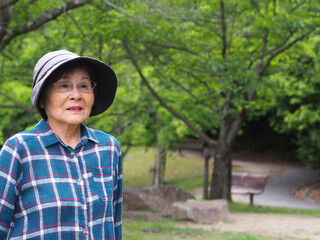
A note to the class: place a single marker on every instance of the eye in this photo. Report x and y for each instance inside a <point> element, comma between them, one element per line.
<point>84,85</point>
<point>63,85</point>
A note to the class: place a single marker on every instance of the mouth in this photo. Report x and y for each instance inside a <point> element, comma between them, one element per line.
<point>75,108</point>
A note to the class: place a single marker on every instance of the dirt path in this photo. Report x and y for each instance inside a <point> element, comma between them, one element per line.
<point>273,225</point>
<point>284,227</point>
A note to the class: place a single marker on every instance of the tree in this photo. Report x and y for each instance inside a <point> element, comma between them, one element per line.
<point>22,17</point>
<point>220,54</point>
<point>17,19</point>
<point>139,120</point>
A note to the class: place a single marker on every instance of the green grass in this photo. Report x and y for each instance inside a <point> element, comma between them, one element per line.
<point>244,208</point>
<point>140,229</point>
<point>183,171</point>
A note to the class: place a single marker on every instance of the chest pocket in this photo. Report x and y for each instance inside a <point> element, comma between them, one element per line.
<point>102,178</point>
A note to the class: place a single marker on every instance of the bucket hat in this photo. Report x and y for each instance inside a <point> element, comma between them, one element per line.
<point>105,79</point>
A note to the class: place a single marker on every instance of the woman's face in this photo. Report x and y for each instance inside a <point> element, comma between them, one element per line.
<point>68,108</point>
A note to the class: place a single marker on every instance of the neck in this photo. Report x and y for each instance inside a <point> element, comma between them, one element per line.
<point>70,134</point>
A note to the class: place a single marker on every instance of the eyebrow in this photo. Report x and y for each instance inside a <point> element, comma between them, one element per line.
<point>66,78</point>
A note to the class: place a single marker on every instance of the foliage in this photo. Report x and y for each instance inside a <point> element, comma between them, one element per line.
<point>295,94</point>
<point>214,63</point>
<point>14,120</point>
<point>207,63</point>
<point>19,48</point>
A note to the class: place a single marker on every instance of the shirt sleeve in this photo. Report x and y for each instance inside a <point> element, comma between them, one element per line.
<point>118,191</point>
<point>9,174</point>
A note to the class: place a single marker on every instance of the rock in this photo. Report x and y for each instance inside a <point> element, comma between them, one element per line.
<point>204,211</point>
<point>157,198</point>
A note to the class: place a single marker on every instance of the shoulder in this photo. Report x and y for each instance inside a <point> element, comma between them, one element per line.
<point>103,137</point>
<point>40,129</point>
<point>21,137</point>
<point>16,145</point>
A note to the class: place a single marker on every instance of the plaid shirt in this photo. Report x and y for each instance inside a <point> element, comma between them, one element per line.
<point>49,190</point>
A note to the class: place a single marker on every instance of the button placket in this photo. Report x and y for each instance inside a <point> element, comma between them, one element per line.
<point>81,188</point>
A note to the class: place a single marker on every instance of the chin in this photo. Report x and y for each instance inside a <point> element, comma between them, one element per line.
<point>76,121</point>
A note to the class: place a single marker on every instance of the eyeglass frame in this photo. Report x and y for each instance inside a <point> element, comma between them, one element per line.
<point>77,85</point>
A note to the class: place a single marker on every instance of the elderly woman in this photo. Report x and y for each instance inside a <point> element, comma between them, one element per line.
<point>61,179</point>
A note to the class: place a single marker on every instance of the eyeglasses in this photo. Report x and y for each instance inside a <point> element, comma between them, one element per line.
<point>66,86</point>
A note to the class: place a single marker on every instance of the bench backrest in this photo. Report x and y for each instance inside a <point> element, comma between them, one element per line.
<point>192,144</point>
<point>249,180</point>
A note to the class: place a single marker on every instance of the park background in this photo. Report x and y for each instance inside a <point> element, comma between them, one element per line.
<point>241,76</point>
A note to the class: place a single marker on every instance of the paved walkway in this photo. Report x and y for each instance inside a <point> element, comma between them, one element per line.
<point>281,185</point>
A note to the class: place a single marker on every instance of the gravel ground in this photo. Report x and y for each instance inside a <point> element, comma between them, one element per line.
<point>284,227</point>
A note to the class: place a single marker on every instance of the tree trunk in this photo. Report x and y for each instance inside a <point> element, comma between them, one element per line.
<point>207,154</point>
<point>206,177</point>
<point>221,175</point>
<point>160,166</point>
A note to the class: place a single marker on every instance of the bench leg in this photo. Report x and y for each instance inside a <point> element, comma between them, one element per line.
<point>251,200</point>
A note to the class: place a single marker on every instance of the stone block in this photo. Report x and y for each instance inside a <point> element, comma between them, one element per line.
<point>201,211</point>
<point>157,198</point>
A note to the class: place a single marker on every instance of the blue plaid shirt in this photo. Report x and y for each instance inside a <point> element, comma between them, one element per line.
<point>49,190</point>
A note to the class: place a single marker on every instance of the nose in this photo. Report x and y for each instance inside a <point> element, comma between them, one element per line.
<point>75,93</point>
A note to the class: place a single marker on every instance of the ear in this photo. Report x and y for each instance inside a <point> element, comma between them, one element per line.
<point>41,105</point>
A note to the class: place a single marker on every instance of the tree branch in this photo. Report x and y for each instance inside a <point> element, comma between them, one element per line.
<point>119,9</point>
<point>256,5</point>
<point>187,71</point>
<point>5,15</point>
<point>163,13</point>
<point>28,110</point>
<point>201,134</point>
<point>181,85</point>
<point>77,25</point>
<point>198,100</point>
<point>236,125</point>
<point>37,23</point>
<point>272,50</point>
<point>282,49</point>
<point>174,47</point>
<point>16,105</point>
<point>223,30</point>
<point>7,3</point>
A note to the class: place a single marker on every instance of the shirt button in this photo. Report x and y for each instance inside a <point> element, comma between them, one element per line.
<point>86,231</point>
<point>79,180</point>
<point>72,153</point>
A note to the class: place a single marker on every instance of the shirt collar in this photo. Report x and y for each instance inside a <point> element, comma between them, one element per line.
<point>87,134</point>
<point>49,137</point>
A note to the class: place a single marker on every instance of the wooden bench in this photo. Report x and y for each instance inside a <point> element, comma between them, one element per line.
<point>192,145</point>
<point>248,183</point>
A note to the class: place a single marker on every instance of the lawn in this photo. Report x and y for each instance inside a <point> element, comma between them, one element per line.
<point>185,172</point>
<point>140,229</point>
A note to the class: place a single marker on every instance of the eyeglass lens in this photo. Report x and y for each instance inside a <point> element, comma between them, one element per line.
<point>66,86</point>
